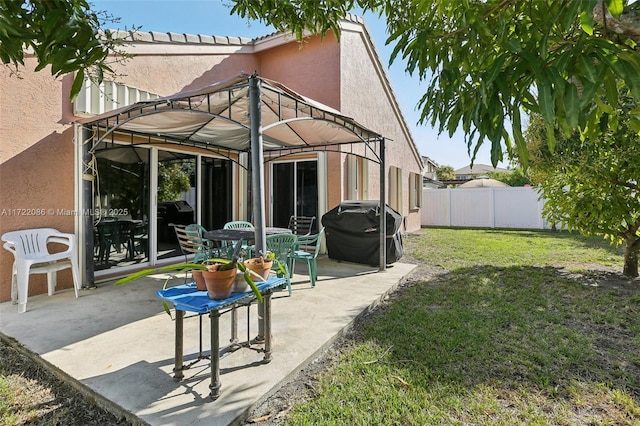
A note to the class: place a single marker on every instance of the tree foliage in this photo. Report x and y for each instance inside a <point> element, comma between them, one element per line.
<point>515,177</point>
<point>487,61</point>
<point>592,185</point>
<point>445,173</point>
<point>63,34</point>
<point>173,180</point>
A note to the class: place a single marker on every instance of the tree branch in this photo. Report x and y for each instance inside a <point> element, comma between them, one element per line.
<point>627,24</point>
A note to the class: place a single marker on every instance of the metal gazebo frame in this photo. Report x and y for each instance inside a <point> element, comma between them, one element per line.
<point>246,113</point>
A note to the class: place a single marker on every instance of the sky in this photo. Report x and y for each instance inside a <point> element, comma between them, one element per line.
<point>212,17</point>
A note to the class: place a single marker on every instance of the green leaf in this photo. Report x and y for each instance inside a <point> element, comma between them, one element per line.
<point>610,87</point>
<point>572,105</point>
<point>496,67</point>
<point>586,22</point>
<point>587,67</point>
<point>514,45</point>
<point>166,308</point>
<point>632,77</point>
<point>545,100</point>
<point>588,92</point>
<point>615,7</point>
<point>568,16</point>
<point>521,144</point>
<point>551,138</point>
<point>77,84</point>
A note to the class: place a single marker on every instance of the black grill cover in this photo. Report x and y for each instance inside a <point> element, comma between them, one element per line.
<point>352,232</point>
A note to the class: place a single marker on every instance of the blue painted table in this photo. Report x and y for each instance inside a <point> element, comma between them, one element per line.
<point>186,298</point>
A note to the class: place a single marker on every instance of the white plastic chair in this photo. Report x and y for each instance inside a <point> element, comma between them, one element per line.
<point>32,256</point>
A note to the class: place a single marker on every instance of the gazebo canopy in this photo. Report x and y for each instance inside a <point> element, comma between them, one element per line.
<point>217,118</point>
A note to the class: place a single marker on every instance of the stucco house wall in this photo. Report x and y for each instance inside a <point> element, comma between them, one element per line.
<point>36,160</point>
<point>37,151</point>
<point>311,68</point>
<point>367,94</point>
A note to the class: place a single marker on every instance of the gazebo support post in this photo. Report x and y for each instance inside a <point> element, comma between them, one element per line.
<point>383,209</point>
<point>257,180</point>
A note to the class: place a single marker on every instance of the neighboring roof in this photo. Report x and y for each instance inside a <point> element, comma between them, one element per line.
<point>427,160</point>
<point>483,183</point>
<point>479,169</point>
<point>217,117</point>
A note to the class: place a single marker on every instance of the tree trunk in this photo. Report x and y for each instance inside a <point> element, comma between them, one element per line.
<point>631,257</point>
<point>628,23</point>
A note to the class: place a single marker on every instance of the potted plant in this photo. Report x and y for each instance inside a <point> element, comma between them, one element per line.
<point>261,265</point>
<point>198,279</point>
<point>185,267</point>
<point>264,263</point>
<point>219,278</point>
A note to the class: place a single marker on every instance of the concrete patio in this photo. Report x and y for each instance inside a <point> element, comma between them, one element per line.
<point>119,343</point>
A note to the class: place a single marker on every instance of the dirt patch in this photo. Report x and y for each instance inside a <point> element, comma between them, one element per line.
<point>37,396</point>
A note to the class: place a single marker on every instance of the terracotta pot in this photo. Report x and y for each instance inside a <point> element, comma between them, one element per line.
<point>219,283</point>
<point>199,279</point>
<point>260,267</point>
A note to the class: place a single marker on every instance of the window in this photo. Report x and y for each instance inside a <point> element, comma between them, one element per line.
<point>357,181</point>
<point>395,188</point>
<point>415,191</point>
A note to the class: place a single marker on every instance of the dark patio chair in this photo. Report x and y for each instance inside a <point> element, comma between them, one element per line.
<point>191,241</point>
<point>301,225</point>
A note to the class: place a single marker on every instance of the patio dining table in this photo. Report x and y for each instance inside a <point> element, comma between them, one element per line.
<point>246,234</point>
<point>186,298</point>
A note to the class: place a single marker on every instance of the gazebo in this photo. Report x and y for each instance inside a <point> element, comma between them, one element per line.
<point>244,114</point>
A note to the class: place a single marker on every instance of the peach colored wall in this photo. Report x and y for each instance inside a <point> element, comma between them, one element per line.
<point>374,109</point>
<point>36,141</point>
<point>36,162</point>
<point>313,70</point>
<point>166,75</point>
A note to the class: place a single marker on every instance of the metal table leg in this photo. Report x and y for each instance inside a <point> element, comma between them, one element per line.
<point>260,337</point>
<point>215,355</point>
<point>234,326</point>
<point>179,345</point>
<point>267,327</point>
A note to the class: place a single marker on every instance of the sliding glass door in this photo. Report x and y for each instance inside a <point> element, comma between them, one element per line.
<point>141,193</point>
<point>216,192</point>
<point>295,191</point>
<point>121,206</point>
<point>176,198</point>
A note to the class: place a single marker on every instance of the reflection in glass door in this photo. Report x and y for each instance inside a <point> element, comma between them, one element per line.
<point>176,199</point>
<point>123,200</point>
<point>121,206</point>
<point>216,192</point>
<point>295,191</point>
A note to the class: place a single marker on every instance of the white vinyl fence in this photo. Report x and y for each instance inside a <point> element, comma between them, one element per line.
<point>517,208</point>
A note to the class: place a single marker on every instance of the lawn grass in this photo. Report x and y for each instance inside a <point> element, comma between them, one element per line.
<point>455,248</point>
<point>501,337</point>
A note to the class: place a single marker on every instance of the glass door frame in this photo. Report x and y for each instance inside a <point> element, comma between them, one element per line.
<point>152,260</point>
<point>321,173</point>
